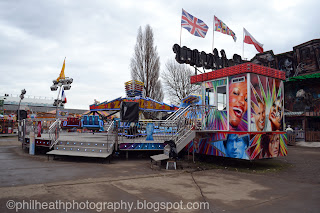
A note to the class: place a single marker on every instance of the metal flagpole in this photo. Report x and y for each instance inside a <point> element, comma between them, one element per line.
<point>243,44</point>
<point>213,34</point>
<point>180,35</point>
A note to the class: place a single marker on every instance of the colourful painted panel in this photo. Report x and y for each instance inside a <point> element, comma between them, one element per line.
<point>241,146</point>
<point>144,104</point>
<point>141,146</point>
<point>215,120</point>
<point>214,84</point>
<point>267,146</point>
<point>267,105</point>
<point>234,146</point>
<point>203,144</point>
<point>238,115</point>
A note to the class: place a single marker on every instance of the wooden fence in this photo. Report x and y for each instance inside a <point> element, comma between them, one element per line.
<point>312,136</point>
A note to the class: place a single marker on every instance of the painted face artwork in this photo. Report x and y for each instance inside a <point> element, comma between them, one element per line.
<point>260,116</point>
<point>274,145</point>
<point>235,146</point>
<point>237,102</point>
<point>275,115</point>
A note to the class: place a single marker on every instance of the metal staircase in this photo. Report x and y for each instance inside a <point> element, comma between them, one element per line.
<point>85,147</point>
<point>184,139</point>
<point>185,121</point>
<point>100,145</point>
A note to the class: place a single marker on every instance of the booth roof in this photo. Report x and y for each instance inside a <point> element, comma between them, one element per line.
<point>238,69</point>
<point>305,77</point>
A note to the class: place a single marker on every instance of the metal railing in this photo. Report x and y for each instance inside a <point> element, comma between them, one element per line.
<point>109,126</point>
<point>31,124</point>
<point>176,127</point>
<point>21,130</point>
<point>175,113</point>
<point>54,132</point>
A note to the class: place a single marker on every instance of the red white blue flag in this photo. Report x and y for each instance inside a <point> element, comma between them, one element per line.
<point>194,25</point>
<point>63,96</point>
<point>223,28</point>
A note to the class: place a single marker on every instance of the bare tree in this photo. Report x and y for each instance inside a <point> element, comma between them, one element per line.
<point>145,64</point>
<point>176,80</point>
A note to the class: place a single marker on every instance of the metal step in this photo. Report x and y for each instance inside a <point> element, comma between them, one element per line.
<point>185,141</point>
<point>84,144</point>
<point>83,149</point>
<point>160,157</point>
<point>82,154</point>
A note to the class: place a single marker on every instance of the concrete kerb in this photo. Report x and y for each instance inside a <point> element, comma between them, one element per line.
<point>308,144</point>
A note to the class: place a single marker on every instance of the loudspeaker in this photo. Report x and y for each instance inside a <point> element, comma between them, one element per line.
<point>23,114</point>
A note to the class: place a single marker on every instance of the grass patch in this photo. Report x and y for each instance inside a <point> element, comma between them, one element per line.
<point>257,166</point>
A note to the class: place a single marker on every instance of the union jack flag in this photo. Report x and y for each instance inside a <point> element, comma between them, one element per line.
<point>194,25</point>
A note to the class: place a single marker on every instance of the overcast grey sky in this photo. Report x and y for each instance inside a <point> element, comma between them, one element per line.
<point>98,37</point>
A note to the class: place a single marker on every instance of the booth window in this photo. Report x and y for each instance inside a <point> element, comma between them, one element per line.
<point>209,97</point>
<point>222,97</point>
<point>238,80</point>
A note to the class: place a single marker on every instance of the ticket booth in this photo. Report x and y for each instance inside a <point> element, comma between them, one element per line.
<point>245,119</point>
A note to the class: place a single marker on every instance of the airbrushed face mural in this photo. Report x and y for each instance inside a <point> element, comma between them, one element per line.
<point>222,144</point>
<point>267,146</point>
<point>238,103</point>
<point>240,146</point>
<point>233,146</point>
<point>266,104</point>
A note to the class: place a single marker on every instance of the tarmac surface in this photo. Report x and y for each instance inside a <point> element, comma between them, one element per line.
<point>36,184</point>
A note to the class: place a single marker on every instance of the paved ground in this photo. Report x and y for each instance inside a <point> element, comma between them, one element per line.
<point>308,144</point>
<point>287,184</point>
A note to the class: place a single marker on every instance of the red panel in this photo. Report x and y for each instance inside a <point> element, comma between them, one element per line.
<point>193,79</point>
<point>238,69</point>
<point>199,78</point>
<point>211,75</point>
<point>205,76</point>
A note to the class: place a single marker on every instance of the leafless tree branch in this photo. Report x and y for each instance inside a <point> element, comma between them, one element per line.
<point>176,79</point>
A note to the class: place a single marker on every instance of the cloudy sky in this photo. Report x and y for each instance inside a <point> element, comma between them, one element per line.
<point>98,37</point>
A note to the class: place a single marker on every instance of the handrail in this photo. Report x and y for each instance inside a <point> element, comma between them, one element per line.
<point>179,112</point>
<point>54,124</point>
<point>174,113</point>
<point>183,111</point>
<point>188,119</point>
<point>110,126</point>
<point>177,129</point>
<point>54,132</point>
<point>180,139</point>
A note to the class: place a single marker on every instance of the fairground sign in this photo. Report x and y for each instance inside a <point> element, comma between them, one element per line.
<point>185,55</point>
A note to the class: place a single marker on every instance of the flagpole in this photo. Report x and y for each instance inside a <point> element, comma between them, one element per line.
<point>243,43</point>
<point>180,35</point>
<point>213,35</point>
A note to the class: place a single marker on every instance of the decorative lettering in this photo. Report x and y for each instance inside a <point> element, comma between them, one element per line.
<point>185,55</point>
